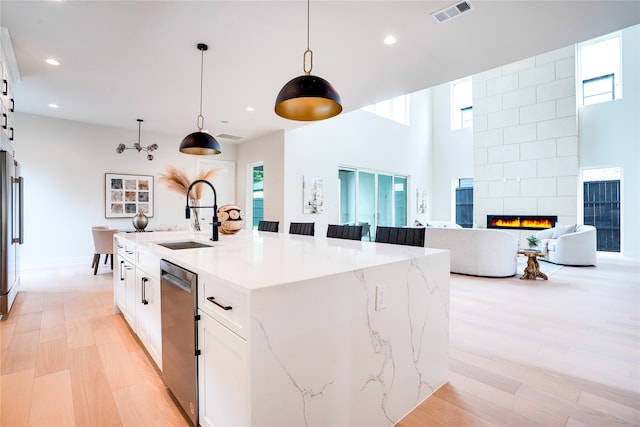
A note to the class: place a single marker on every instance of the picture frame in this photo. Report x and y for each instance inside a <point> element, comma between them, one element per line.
<point>312,195</point>
<point>421,200</point>
<point>126,195</point>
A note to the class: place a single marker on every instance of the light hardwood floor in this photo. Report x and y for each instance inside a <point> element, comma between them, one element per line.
<point>562,352</point>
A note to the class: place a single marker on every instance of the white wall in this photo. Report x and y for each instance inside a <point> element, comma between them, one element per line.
<point>453,154</point>
<point>64,163</point>
<point>356,139</point>
<point>610,136</point>
<point>268,150</point>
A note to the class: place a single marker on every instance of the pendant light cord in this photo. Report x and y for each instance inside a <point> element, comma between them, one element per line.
<point>200,123</point>
<point>308,51</point>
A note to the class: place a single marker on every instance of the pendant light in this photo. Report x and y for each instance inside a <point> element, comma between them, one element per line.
<point>308,97</point>
<point>200,143</point>
<point>137,146</point>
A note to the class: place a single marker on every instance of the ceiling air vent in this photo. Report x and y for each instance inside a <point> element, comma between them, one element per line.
<point>451,11</point>
<point>230,137</point>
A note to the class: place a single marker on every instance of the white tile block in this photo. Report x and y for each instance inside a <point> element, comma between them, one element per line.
<point>566,68</point>
<point>538,150</point>
<point>480,156</point>
<point>567,219</point>
<point>538,187</point>
<point>519,66</point>
<point>520,133</point>
<point>567,186</point>
<point>567,146</point>
<point>556,55</point>
<point>548,167</point>
<point>566,107</point>
<point>502,84</point>
<point>556,89</point>
<point>480,189</point>
<point>557,128</point>
<point>490,104</point>
<point>486,75</point>
<point>521,205</point>
<point>502,119</point>
<point>519,98</point>
<point>538,112</point>
<point>522,169</point>
<point>503,153</point>
<point>535,76</point>
<point>479,122</point>
<point>568,166</point>
<point>567,206</point>
<point>478,89</point>
<point>504,189</point>
<point>488,206</point>
<point>488,172</point>
<point>487,138</point>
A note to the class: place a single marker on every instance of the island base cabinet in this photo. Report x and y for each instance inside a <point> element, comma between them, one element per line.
<point>223,375</point>
<point>149,316</point>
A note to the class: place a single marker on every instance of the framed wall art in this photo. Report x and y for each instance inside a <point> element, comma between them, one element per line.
<point>312,196</point>
<point>126,195</point>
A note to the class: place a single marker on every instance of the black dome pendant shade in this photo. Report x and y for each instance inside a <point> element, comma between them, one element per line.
<point>308,97</point>
<point>200,143</point>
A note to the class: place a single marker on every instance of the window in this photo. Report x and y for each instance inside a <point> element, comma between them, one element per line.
<point>375,198</point>
<point>258,197</point>
<point>600,70</point>
<point>396,109</point>
<point>461,104</point>
<point>464,202</point>
<point>601,194</point>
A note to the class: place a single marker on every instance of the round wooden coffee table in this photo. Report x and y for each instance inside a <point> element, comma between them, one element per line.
<point>532,270</point>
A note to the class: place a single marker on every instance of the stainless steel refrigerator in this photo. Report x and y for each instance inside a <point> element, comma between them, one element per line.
<point>11,229</point>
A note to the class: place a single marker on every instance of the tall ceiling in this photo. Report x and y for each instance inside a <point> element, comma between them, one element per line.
<point>124,60</point>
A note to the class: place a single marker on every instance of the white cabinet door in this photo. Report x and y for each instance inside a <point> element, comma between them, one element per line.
<point>223,375</point>
<point>129,274</point>
<point>119,288</point>
<point>148,315</point>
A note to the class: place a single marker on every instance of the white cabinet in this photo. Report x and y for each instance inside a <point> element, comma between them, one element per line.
<point>148,315</point>
<point>136,288</point>
<point>223,375</point>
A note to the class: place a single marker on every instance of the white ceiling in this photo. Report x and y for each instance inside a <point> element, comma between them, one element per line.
<point>124,60</point>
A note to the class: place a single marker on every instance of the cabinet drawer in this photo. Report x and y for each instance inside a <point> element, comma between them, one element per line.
<point>149,263</point>
<point>224,303</point>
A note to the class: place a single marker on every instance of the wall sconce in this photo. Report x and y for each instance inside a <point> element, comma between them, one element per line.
<point>148,149</point>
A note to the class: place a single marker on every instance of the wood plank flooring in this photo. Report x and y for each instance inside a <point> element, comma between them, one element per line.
<point>562,352</point>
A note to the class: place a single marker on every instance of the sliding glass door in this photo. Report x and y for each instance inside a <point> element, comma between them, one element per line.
<point>372,198</point>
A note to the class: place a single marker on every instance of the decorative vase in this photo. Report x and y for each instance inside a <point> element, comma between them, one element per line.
<point>231,219</point>
<point>140,221</point>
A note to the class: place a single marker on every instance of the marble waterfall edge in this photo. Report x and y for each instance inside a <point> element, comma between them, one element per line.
<point>322,354</point>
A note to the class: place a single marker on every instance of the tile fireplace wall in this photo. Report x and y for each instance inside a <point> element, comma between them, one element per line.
<point>525,139</point>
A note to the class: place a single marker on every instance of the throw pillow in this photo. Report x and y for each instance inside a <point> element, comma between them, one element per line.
<point>561,230</point>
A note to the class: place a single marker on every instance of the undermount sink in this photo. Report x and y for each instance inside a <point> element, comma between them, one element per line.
<point>184,245</point>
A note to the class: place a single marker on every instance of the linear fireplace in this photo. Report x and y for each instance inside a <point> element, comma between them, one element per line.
<point>521,222</point>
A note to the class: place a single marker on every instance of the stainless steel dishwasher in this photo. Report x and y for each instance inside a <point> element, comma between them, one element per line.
<point>179,335</point>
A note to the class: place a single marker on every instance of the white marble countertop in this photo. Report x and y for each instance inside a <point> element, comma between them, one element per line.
<point>255,260</point>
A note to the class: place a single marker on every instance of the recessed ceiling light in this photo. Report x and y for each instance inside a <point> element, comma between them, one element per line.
<point>250,109</point>
<point>52,61</point>
<point>54,106</point>
<point>390,40</point>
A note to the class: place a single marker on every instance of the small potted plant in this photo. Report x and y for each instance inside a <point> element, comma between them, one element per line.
<point>533,241</point>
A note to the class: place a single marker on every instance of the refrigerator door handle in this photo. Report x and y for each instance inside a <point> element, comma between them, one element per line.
<point>20,238</point>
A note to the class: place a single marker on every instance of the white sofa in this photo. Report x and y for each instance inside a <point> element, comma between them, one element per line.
<point>568,247</point>
<point>476,251</point>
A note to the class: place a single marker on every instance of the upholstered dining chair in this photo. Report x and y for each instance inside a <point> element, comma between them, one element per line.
<point>103,244</point>
<point>400,235</point>
<point>269,226</point>
<point>304,228</point>
<point>350,232</point>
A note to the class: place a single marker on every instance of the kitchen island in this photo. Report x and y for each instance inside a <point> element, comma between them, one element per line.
<point>322,332</point>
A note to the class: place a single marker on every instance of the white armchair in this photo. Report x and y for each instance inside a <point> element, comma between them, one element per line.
<point>573,248</point>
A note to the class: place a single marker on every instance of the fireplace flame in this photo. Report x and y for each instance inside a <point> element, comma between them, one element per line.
<point>517,223</point>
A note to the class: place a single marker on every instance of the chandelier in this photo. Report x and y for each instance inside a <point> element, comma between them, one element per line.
<point>148,149</point>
